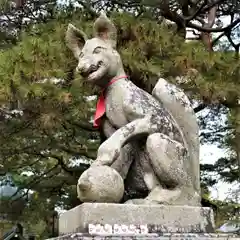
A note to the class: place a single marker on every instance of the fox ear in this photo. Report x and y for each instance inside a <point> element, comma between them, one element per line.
<point>75,39</point>
<point>106,30</point>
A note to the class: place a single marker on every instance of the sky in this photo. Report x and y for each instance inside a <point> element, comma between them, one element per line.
<point>209,154</point>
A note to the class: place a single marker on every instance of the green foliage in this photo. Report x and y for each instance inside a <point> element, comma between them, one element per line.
<point>227,211</point>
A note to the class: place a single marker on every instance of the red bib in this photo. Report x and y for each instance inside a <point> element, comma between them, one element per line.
<point>101,108</point>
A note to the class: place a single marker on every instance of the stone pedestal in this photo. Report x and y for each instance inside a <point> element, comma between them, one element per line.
<point>157,218</point>
<point>167,236</point>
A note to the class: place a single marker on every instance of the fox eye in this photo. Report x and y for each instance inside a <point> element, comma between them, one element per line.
<point>98,49</point>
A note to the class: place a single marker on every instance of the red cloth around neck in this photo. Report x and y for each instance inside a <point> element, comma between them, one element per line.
<point>101,108</point>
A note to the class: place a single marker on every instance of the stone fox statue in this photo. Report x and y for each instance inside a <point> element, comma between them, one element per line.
<point>152,140</point>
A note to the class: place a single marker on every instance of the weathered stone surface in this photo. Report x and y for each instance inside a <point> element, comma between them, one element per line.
<point>161,130</point>
<point>158,218</point>
<point>102,183</point>
<point>166,236</point>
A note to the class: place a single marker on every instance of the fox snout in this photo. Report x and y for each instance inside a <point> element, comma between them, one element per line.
<point>83,67</point>
<point>86,70</point>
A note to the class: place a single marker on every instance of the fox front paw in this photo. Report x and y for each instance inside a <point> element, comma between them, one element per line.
<point>107,155</point>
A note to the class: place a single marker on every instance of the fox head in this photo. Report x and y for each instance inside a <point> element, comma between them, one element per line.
<point>98,59</point>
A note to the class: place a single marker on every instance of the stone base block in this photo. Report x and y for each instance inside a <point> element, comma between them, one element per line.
<point>172,236</point>
<point>157,218</point>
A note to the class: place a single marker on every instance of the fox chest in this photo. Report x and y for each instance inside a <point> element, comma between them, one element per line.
<point>114,111</point>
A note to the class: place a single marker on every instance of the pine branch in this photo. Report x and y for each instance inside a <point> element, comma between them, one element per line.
<point>31,183</point>
<point>82,125</point>
<point>235,46</point>
<point>88,8</point>
<point>194,15</point>
<point>212,4</point>
<point>208,30</point>
<point>200,107</point>
<point>214,42</point>
<point>59,160</point>
<point>81,152</point>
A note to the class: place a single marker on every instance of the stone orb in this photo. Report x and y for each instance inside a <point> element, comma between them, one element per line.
<point>100,184</point>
